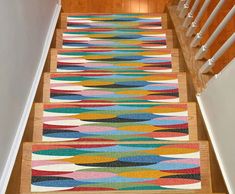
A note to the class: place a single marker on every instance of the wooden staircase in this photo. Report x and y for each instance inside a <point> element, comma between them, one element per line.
<point>115,116</point>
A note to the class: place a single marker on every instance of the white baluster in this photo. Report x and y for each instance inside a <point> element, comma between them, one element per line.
<point>189,18</point>
<point>180,5</point>
<point>194,24</point>
<point>210,63</point>
<point>184,11</point>
<point>212,38</point>
<point>200,34</point>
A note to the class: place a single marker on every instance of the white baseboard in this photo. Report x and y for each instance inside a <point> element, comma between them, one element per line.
<point>214,143</point>
<point>22,124</point>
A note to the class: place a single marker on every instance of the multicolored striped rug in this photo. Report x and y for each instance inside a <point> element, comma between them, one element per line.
<point>130,38</point>
<point>91,21</point>
<point>113,60</point>
<point>113,167</point>
<point>110,87</point>
<point>116,122</point>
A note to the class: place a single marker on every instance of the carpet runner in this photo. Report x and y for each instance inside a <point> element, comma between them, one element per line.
<point>129,38</point>
<point>116,122</point>
<point>137,21</point>
<point>115,166</point>
<point>110,87</point>
<point>113,60</point>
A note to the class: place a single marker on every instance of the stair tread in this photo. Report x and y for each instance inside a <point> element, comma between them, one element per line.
<point>149,163</point>
<point>114,39</point>
<point>139,20</point>
<point>126,121</point>
<point>114,60</point>
<point>114,87</point>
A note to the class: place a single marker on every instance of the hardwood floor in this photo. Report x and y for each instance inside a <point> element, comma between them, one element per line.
<point>115,6</point>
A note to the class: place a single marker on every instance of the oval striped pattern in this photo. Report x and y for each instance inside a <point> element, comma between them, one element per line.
<point>111,100</point>
<point>113,167</point>
<point>112,60</point>
<point>116,21</point>
<point>114,39</point>
<point>92,87</point>
<point>123,122</point>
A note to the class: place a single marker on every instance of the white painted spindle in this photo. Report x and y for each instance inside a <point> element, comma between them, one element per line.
<point>184,11</point>
<point>210,63</point>
<point>212,38</point>
<point>180,5</point>
<point>200,34</point>
<point>194,24</point>
<point>189,17</point>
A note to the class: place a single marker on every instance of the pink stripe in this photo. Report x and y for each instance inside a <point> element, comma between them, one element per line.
<point>96,64</point>
<point>93,128</point>
<point>95,92</point>
<point>184,161</point>
<point>174,118</point>
<point>88,175</point>
<point>60,84</point>
<point>46,163</point>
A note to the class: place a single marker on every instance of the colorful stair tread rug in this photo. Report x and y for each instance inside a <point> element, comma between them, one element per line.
<point>121,122</point>
<point>107,21</point>
<point>109,87</point>
<point>130,38</point>
<point>107,167</point>
<point>84,60</point>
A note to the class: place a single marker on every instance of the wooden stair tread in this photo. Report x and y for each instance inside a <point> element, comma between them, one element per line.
<point>123,93</point>
<point>169,130</point>
<point>163,16</point>
<point>157,60</point>
<point>111,153</point>
<point>96,39</point>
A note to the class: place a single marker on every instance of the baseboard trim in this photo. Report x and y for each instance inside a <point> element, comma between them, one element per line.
<point>25,115</point>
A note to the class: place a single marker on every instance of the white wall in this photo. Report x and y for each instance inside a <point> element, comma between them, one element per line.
<point>217,103</point>
<point>23,32</point>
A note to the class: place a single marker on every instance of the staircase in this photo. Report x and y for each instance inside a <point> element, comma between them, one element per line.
<point>115,115</point>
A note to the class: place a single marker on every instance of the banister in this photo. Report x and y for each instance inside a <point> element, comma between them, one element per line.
<point>184,11</point>
<point>189,17</point>
<point>212,38</point>
<point>194,24</point>
<point>180,5</point>
<point>210,63</point>
<point>200,34</point>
